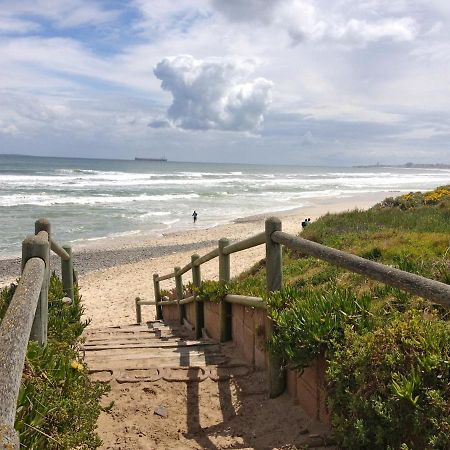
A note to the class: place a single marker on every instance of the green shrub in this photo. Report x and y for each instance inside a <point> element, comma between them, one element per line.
<point>57,406</point>
<point>213,291</point>
<point>389,387</point>
<point>309,321</point>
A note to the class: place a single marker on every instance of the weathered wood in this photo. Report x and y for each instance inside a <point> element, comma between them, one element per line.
<point>147,302</point>
<point>42,225</point>
<point>67,273</point>
<point>56,248</point>
<point>205,258</point>
<point>274,277</point>
<point>14,333</point>
<point>137,301</point>
<point>415,284</point>
<point>199,312</point>
<point>173,344</point>
<point>187,300</point>
<point>168,302</point>
<point>244,300</point>
<point>159,315</point>
<point>245,244</point>
<point>166,277</point>
<point>186,268</point>
<point>224,277</point>
<point>274,261</point>
<point>179,291</point>
<point>38,246</point>
<point>42,229</point>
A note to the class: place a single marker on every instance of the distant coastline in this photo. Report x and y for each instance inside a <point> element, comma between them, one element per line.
<point>407,166</point>
<point>162,159</point>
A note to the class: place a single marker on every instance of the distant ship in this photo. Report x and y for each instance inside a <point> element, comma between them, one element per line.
<point>162,159</point>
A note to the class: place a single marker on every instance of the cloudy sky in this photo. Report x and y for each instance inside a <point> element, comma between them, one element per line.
<point>277,81</point>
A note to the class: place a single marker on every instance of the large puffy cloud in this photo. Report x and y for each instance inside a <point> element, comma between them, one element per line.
<point>214,93</point>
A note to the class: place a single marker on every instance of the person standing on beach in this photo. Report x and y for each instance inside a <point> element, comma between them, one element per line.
<point>194,215</point>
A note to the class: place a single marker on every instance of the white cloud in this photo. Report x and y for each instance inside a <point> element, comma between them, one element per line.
<point>214,93</point>
<point>319,21</point>
<point>63,13</point>
<point>11,25</point>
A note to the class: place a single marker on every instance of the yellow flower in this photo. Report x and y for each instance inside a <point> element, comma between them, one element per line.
<point>77,366</point>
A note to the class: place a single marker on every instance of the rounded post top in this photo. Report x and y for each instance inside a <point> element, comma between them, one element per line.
<point>272,224</point>
<point>223,242</point>
<point>273,220</point>
<point>194,257</point>
<point>42,225</point>
<point>155,276</point>
<point>176,269</point>
<point>32,239</point>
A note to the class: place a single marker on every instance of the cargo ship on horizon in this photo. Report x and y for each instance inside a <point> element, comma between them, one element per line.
<point>162,159</point>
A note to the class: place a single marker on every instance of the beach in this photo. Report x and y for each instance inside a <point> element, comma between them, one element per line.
<point>113,272</point>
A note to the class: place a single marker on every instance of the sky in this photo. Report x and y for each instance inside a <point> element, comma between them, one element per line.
<point>323,82</point>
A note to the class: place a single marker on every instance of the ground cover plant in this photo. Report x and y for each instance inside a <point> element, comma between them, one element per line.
<point>57,406</point>
<point>387,350</point>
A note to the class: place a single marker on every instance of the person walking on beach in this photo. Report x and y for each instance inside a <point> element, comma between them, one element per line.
<point>194,215</point>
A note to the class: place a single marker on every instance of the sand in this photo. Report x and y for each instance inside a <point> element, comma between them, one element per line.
<point>109,293</point>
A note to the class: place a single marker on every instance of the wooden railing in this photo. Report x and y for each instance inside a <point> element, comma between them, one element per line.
<point>274,239</point>
<point>27,319</point>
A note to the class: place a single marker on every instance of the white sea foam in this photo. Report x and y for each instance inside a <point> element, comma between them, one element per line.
<point>118,197</point>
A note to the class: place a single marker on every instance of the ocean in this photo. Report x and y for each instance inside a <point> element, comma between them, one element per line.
<point>89,199</point>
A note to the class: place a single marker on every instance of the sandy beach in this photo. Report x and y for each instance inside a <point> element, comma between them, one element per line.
<point>113,272</point>
<point>109,293</point>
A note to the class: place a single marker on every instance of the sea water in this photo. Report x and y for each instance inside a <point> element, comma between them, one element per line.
<point>97,198</point>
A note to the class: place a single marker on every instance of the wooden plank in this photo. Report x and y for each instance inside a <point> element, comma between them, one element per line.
<point>156,345</point>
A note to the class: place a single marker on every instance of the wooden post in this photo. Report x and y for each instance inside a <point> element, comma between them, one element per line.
<point>179,291</point>
<point>274,278</point>
<point>44,225</point>
<point>138,310</point>
<point>67,273</point>
<point>199,313</point>
<point>38,246</point>
<point>159,314</point>
<point>224,308</point>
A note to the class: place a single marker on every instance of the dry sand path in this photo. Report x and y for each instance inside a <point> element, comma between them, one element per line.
<point>171,391</point>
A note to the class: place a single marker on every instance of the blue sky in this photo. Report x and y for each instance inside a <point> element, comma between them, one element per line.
<point>289,81</point>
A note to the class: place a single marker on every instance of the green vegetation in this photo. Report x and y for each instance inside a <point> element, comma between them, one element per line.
<point>390,386</point>
<point>387,350</point>
<point>57,406</point>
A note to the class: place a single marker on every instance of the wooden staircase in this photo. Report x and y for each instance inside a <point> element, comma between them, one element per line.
<point>154,351</point>
<point>171,391</point>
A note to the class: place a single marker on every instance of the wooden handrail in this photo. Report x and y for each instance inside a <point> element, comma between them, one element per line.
<point>205,258</point>
<point>250,242</point>
<point>187,300</point>
<point>27,319</point>
<point>185,268</point>
<point>166,277</point>
<point>410,282</point>
<point>274,239</point>
<point>56,248</point>
<point>244,300</point>
<point>14,333</point>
